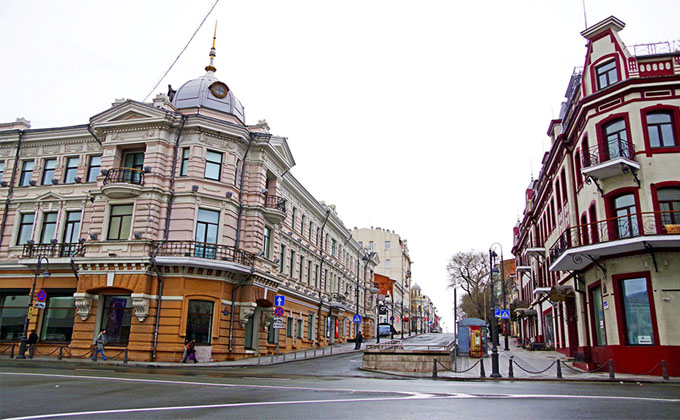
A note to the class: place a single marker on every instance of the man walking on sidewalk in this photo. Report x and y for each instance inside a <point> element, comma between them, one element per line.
<point>100,342</point>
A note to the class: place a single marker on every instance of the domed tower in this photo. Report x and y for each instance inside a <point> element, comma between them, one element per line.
<point>208,92</point>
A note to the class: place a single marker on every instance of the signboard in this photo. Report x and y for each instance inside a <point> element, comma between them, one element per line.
<point>392,318</point>
<point>279,300</point>
<point>356,319</point>
<point>497,312</point>
<point>278,323</point>
<point>505,314</point>
<point>605,304</point>
<point>39,305</point>
<point>42,295</point>
<point>278,311</point>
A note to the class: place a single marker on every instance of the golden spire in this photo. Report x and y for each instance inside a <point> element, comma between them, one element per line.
<point>210,66</point>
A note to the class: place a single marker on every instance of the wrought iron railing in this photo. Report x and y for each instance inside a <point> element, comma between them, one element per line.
<point>617,228</point>
<point>53,250</point>
<point>124,176</point>
<point>614,149</point>
<point>203,250</point>
<point>275,202</point>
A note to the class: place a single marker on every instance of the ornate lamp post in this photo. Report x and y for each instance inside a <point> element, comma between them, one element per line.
<point>45,274</point>
<point>495,371</point>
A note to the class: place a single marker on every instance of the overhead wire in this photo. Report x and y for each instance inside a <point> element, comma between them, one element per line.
<point>181,52</point>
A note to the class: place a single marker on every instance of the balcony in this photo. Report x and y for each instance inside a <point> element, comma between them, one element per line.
<point>581,245</point>
<point>184,252</point>
<point>617,159</point>
<point>274,208</point>
<point>56,250</point>
<point>123,182</point>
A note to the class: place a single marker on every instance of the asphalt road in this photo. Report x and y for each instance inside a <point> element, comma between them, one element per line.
<point>324,388</point>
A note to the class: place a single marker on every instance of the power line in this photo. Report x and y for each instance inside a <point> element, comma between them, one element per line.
<point>181,52</point>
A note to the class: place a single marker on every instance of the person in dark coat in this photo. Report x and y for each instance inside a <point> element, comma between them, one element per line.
<point>190,352</point>
<point>357,341</point>
<point>32,339</point>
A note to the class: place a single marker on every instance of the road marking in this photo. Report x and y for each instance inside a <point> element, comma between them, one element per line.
<point>264,378</point>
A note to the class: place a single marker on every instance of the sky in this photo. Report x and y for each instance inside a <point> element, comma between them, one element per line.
<point>427,118</point>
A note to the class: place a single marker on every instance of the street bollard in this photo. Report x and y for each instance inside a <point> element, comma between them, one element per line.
<point>125,358</point>
<point>481,368</point>
<point>258,359</point>
<point>11,352</point>
<point>61,353</point>
<point>272,361</point>
<point>434,368</point>
<point>294,355</point>
<point>559,369</point>
<point>314,351</point>
<point>331,350</point>
<point>323,351</point>
<point>284,357</point>
<point>611,369</point>
<point>664,370</point>
<point>511,373</point>
<point>305,353</point>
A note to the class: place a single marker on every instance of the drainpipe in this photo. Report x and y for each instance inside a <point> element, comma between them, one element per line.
<point>323,258</point>
<point>11,187</point>
<point>166,233</point>
<point>240,193</point>
<point>233,305</point>
<point>89,128</point>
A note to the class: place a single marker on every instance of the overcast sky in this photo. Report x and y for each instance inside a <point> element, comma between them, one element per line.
<point>425,118</point>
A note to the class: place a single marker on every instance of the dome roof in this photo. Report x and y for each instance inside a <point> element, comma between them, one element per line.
<point>415,287</point>
<point>208,92</point>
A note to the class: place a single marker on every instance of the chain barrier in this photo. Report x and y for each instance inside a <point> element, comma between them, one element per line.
<point>89,353</point>
<point>38,353</point>
<point>644,373</point>
<point>531,371</point>
<point>6,348</point>
<point>672,367</point>
<point>458,371</point>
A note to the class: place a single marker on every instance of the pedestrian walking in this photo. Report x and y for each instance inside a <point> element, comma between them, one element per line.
<point>32,339</point>
<point>190,353</point>
<point>100,342</point>
<point>357,341</point>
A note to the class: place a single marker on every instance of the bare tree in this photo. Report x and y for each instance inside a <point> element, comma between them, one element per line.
<point>469,270</point>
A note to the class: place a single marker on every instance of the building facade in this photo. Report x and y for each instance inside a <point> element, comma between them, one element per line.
<point>598,247</point>
<point>169,221</point>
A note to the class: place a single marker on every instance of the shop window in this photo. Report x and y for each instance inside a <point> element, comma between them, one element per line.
<point>94,168</point>
<point>637,313</point>
<point>57,324</point>
<point>48,171</point>
<point>250,325</point>
<point>599,336</point>
<point>13,311</point>
<point>117,318</point>
<point>199,321</point>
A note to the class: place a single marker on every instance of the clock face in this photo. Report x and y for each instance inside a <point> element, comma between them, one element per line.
<point>219,89</point>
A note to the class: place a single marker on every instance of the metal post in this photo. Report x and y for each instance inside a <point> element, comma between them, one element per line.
<point>11,352</point>
<point>505,322</point>
<point>61,353</point>
<point>494,329</point>
<point>664,370</point>
<point>22,344</point>
<point>259,359</point>
<point>482,374</point>
<point>125,358</point>
<point>434,368</point>
<point>559,369</point>
<point>611,369</point>
<point>511,373</point>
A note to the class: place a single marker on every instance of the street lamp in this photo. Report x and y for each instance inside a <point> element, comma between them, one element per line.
<point>388,300</point>
<point>495,372</point>
<point>45,274</point>
<point>405,285</point>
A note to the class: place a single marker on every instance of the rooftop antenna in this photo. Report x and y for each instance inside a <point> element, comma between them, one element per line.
<point>211,67</point>
<point>585,20</point>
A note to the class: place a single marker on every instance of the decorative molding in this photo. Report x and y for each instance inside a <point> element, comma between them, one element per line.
<point>83,304</point>
<point>140,301</point>
<point>246,313</point>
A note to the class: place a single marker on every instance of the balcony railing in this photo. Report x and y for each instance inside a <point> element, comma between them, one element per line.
<point>617,228</point>
<point>615,149</point>
<point>204,250</point>
<point>124,176</point>
<point>275,202</point>
<point>53,250</point>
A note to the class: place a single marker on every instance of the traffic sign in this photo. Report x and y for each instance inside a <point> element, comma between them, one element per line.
<point>278,323</point>
<point>497,312</point>
<point>39,305</point>
<point>505,314</point>
<point>278,311</point>
<point>356,319</point>
<point>392,318</point>
<point>280,300</point>
<point>42,296</point>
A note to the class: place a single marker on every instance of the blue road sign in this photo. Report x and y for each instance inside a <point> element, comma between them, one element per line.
<point>497,312</point>
<point>356,319</point>
<point>505,314</point>
<point>42,296</point>
<point>280,300</point>
<point>278,311</point>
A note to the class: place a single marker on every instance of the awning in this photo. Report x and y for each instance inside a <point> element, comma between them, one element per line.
<point>542,291</point>
<point>560,293</point>
<point>525,312</point>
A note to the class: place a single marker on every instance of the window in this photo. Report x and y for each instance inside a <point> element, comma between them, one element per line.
<point>669,201</point>
<point>94,168</point>
<point>387,245</point>
<point>272,333</point>
<point>199,321</point>
<point>606,75</point>
<point>71,170</point>
<point>626,216</point>
<point>309,272</point>
<point>298,332</point>
<point>310,329</point>
<point>134,161</point>
<point>293,218</point>
<point>26,173</point>
<point>117,318</point>
<point>617,140</point>
<point>635,299</point>
<point>49,227</point>
<point>291,266</point>
<point>25,228</point>
<point>577,168</point>
<point>289,327</point>
<point>120,222</point>
<point>660,129</point>
<point>370,245</point>
<point>267,241</point>
<point>558,194</point>
<point>563,179</point>
<point>206,233</point>
<point>333,243</point>
<point>250,325</point>
<point>316,275</point>
<point>599,335</point>
<point>184,166</point>
<point>302,271</point>
<point>13,310</point>
<point>2,168</point>
<point>309,232</point>
<point>72,228</point>
<point>48,171</point>
<point>388,264</point>
<point>57,324</point>
<point>213,165</point>
<point>282,258</point>
<point>303,222</point>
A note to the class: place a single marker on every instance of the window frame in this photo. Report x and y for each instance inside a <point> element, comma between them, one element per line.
<point>617,279</point>
<point>593,320</point>
<point>68,225</point>
<point>656,204</point>
<point>210,162</point>
<point>22,307</point>
<point>266,241</point>
<point>602,141</point>
<point>597,67</point>
<point>44,223</point>
<point>210,316</point>
<point>70,171</point>
<point>22,225</point>
<point>92,177</point>
<point>674,112</point>
<point>43,327</point>
<point>25,181</point>
<point>184,162</point>
<point>48,171</point>
<point>110,219</point>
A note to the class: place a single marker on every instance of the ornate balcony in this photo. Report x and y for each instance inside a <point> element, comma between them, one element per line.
<point>123,182</point>
<point>582,245</point>
<point>616,158</point>
<point>58,250</point>
<point>203,250</point>
<point>274,208</point>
